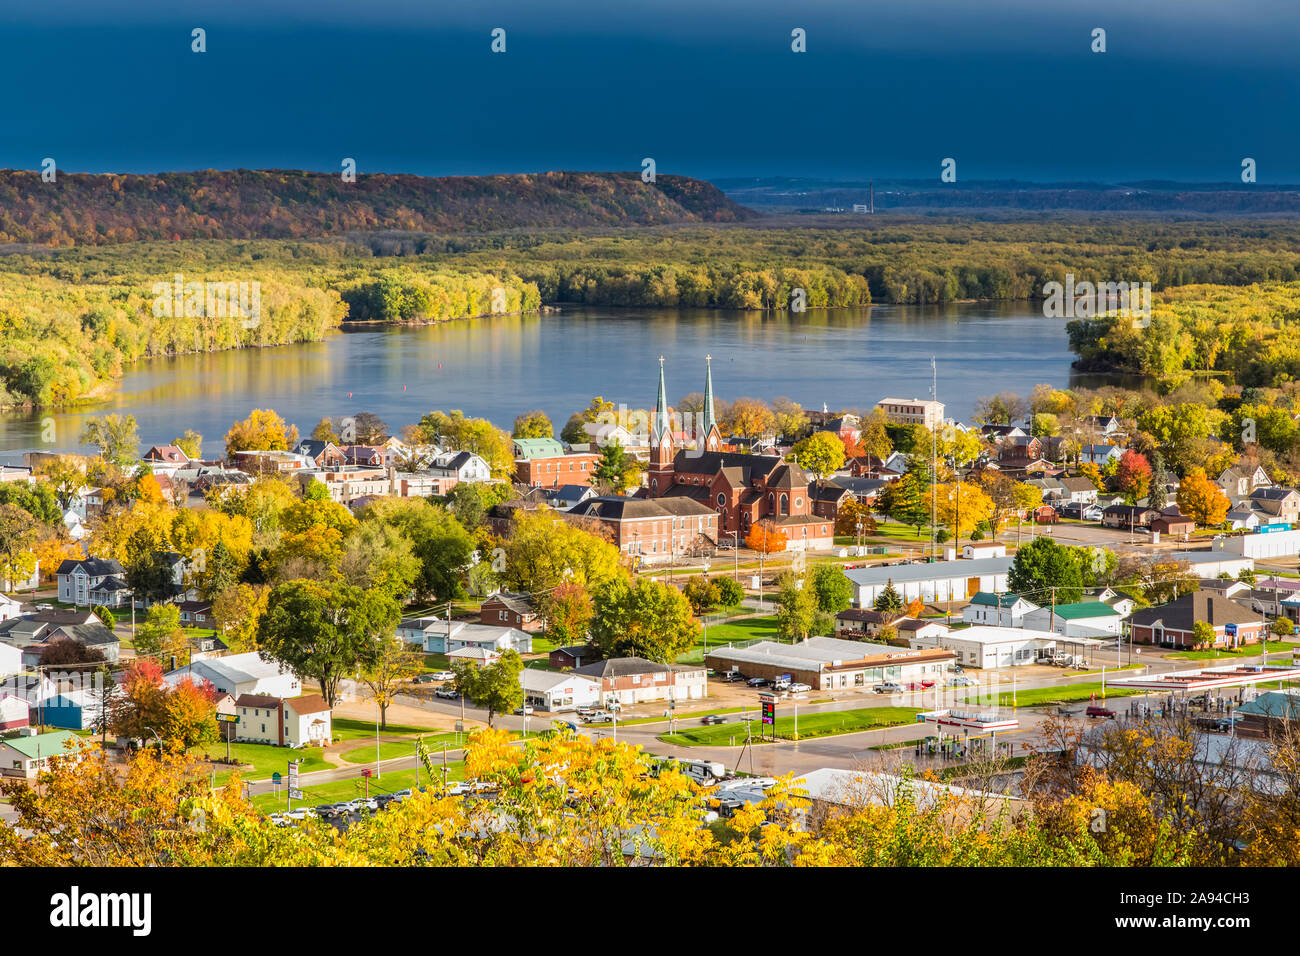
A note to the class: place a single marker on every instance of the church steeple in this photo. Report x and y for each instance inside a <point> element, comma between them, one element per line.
<point>661,442</point>
<point>660,424</point>
<point>709,427</point>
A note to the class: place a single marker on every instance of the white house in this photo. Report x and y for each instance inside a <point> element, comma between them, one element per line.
<point>999,610</point>
<point>1084,619</point>
<point>440,636</point>
<point>72,522</point>
<point>14,712</point>
<point>462,465</point>
<point>287,722</point>
<point>77,579</point>
<point>9,608</point>
<point>989,647</point>
<point>11,660</point>
<point>941,581</point>
<point>1100,454</point>
<point>241,674</point>
<point>547,690</point>
<point>28,754</point>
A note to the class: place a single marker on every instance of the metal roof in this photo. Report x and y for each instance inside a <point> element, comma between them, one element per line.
<point>939,570</point>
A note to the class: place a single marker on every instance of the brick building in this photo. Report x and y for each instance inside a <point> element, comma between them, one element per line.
<point>654,529</point>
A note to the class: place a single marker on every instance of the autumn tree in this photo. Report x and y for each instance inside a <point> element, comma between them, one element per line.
<point>765,538</point>
<point>140,707</point>
<point>394,663</point>
<point>190,714</point>
<point>262,430</point>
<point>238,609</point>
<point>1201,499</point>
<point>748,418</point>
<point>543,550</point>
<point>567,610</point>
<point>190,442</point>
<point>19,533</point>
<point>961,507</point>
<point>1133,477</point>
<point>534,424</point>
<point>822,453</point>
<point>850,514</point>
<point>646,619</point>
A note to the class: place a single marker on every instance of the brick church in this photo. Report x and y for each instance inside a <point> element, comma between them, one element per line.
<point>743,489</point>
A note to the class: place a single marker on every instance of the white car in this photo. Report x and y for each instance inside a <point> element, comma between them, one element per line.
<point>362,804</point>
<point>800,688</point>
<point>961,680</point>
<point>442,675</point>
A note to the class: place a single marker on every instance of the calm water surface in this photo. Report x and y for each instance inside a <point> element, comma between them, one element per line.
<point>497,368</point>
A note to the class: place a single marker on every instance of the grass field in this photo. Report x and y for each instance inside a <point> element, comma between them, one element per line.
<point>1253,650</point>
<point>265,759</point>
<point>349,728</point>
<point>1065,694</point>
<point>750,629</point>
<point>340,790</point>
<point>810,725</point>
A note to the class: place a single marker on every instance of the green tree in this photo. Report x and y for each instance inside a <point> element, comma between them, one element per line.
<point>647,619</point>
<point>325,633</point>
<point>191,442</point>
<point>832,587</point>
<point>160,635</point>
<point>701,594</point>
<point>1042,565</point>
<point>116,437</point>
<point>494,686</point>
<point>438,541</point>
<point>729,592</point>
<point>394,663</point>
<point>908,500</point>
<point>617,469</point>
<point>798,608</point>
<point>888,601</point>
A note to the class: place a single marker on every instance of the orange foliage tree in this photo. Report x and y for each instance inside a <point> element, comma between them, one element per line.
<point>765,538</point>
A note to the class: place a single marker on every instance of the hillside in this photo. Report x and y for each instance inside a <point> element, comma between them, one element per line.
<point>86,209</point>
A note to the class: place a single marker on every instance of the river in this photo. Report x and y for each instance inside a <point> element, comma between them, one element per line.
<point>499,367</point>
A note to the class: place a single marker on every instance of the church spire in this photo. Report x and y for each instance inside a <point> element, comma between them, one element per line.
<point>713,438</point>
<point>660,425</point>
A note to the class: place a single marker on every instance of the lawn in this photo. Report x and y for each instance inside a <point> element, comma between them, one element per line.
<point>719,635</point>
<point>365,753</point>
<point>732,734</point>
<point>682,718</point>
<point>348,728</point>
<point>340,790</point>
<point>265,759</point>
<point>1064,694</point>
<point>1253,650</point>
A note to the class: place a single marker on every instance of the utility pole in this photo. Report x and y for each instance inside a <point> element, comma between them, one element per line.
<point>1051,624</point>
<point>934,458</point>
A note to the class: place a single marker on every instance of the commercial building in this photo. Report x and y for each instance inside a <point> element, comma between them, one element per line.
<point>1174,624</point>
<point>634,680</point>
<point>241,674</point>
<point>912,411</point>
<point>988,647</point>
<point>1268,541</point>
<point>940,581</point>
<point>549,691</point>
<point>1210,564</point>
<point>826,663</point>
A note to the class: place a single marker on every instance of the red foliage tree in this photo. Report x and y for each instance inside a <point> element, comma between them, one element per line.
<point>1133,476</point>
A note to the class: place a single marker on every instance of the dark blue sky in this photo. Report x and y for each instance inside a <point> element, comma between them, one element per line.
<point>707,87</point>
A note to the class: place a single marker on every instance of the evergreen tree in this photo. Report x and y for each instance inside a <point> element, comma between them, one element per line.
<point>888,600</point>
<point>1158,496</point>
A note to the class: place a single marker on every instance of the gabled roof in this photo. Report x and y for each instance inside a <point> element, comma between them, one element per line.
<point>989,599</point>
<point>258,701</point>
<point>41,745</point>
<point>519,603</point>
<point>620,667</point>
<point>307,704</point>
<point>1084,610</point>
<point>93,567</point>
<point>1182,614</point>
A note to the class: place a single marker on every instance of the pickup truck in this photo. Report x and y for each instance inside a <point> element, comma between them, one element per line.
<point>888,687</point>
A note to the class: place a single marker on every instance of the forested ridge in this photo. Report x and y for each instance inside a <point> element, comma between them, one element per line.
<point>98,209</point>
<point>72,319</point>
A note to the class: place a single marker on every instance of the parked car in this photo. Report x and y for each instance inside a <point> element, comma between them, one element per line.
<point>780,685</point>
<point>584,711</point>
<point>526,709</point>
<point>446,693</point>
<point>757,682</point>
<point>961,680</point>
<point>713,719</point>
<point>1096,711</point>
<point>599,717</point>
<point>888,687</point>
<point>443,675</point>
<point>384,799</point>
<point>731,677</point>
<point>797,688</point>
<point>362,804</point>
<point>427,679</point>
